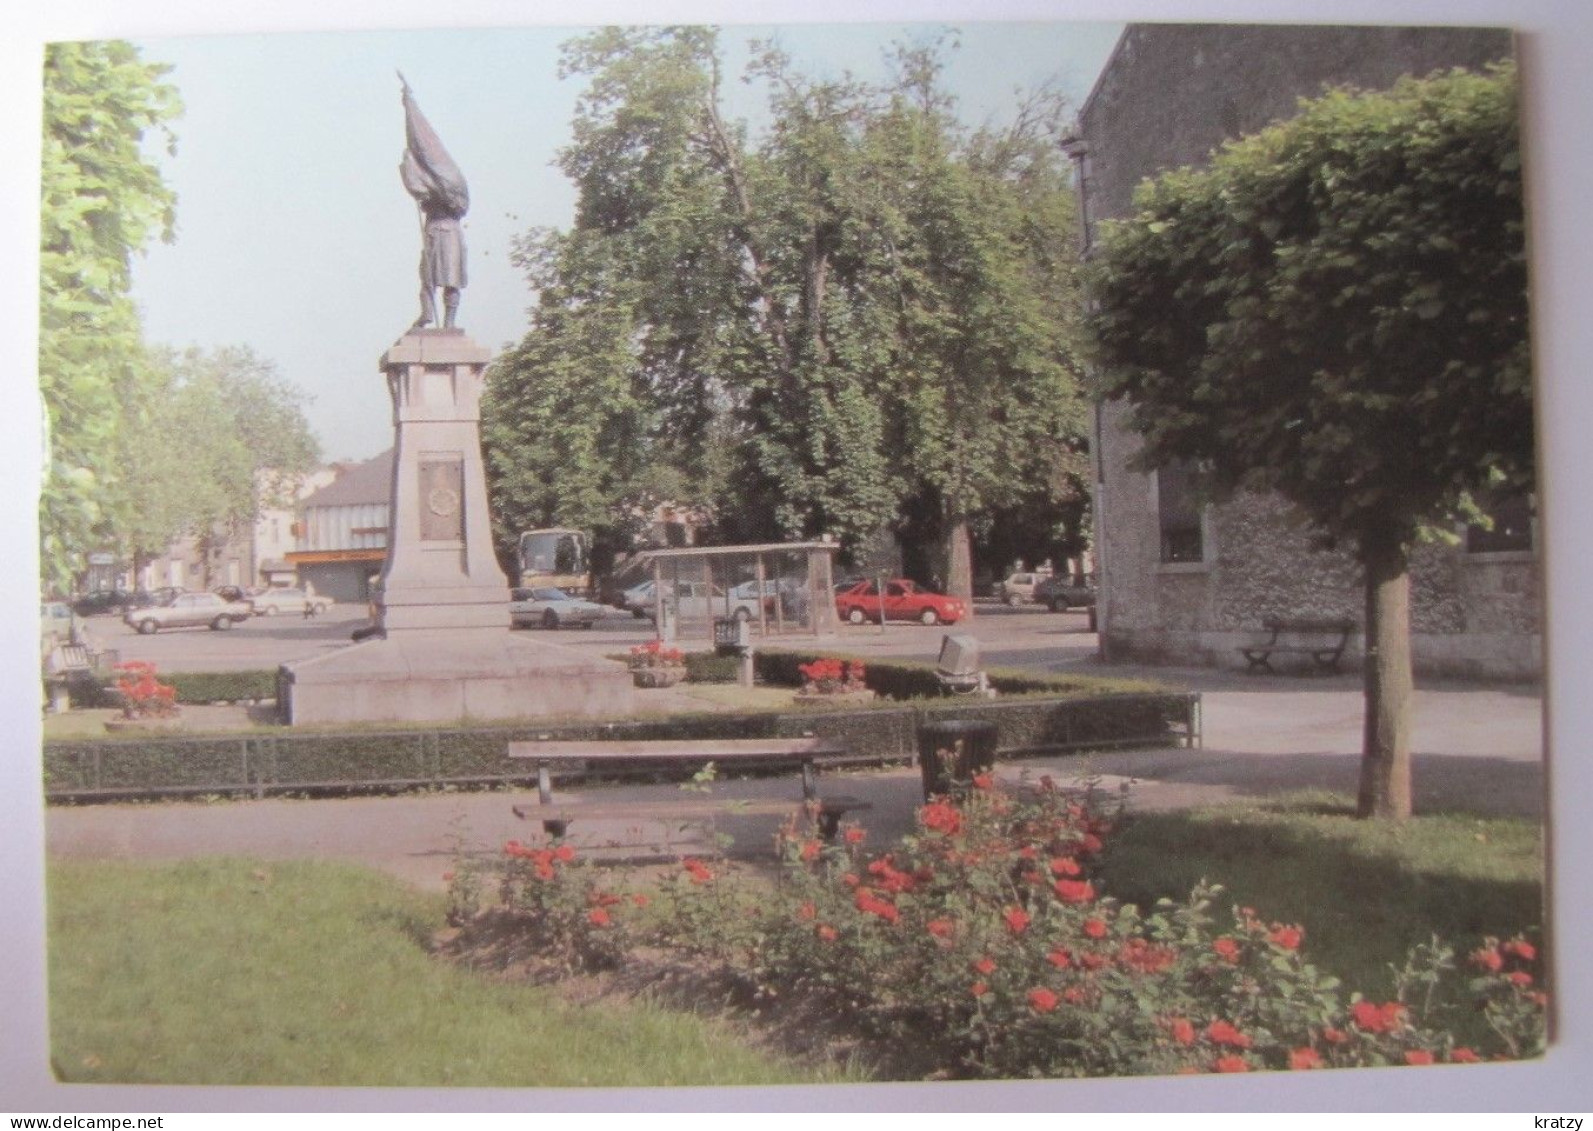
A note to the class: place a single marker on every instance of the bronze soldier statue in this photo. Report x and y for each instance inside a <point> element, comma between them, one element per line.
<point>439,189</point>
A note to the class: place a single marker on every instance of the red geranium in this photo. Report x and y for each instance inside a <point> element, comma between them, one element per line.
<point>597,917</point>
<point>1017,919</point>
<point>941,817</point>
<point>1487,958</point>
<point>854,835</point>
<point>985,965</point>
<point>1465,1056</point>
<point>1232,1064</point>
<point>940,928</point>
<point>1521,948</point>
<point>1418,1056</point>
<point>1226,949</point>
<point>1095,928</point>
<point>1378,1018</point>
<point>1060,958</point>
<point>1065,866</point>
<point>827,932</point>
<point>1183,1032</point>
<point>1286,937</point>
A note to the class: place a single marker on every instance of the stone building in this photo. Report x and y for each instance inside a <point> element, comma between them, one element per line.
<point>1187,582</point>
<point>341,533</point>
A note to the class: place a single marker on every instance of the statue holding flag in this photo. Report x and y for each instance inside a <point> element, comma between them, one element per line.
<point>439,189</point>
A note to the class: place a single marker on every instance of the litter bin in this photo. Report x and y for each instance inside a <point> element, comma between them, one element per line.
<point>950,753</point>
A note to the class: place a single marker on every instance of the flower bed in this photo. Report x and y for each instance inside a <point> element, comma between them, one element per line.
<point>984,941</point>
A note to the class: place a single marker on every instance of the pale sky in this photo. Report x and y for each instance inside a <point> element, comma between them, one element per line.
<point>295,237</point>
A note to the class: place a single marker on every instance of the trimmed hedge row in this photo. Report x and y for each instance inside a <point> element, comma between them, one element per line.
<point>297,761</point>
<point>913,679</point>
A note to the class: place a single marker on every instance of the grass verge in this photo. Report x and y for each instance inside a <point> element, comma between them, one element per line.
<point>1365,891</point>
<point>307,973</point>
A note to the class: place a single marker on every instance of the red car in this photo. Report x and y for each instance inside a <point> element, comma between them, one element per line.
<point>904,600</point>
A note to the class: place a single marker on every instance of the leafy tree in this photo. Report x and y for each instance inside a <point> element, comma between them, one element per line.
<point>1336,310</point>
<point>211,439</point>
<point>101,201</point>
<point>794,329</point>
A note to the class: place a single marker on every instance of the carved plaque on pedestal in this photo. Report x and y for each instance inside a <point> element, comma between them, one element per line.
<point>442,511</point>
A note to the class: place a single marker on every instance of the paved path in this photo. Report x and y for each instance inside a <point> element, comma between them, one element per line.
<point>1477,749</point>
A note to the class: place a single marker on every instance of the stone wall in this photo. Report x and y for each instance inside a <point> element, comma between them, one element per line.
<point>1169,96</point>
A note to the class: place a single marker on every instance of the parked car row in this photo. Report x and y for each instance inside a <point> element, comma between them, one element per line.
<point>172,606</point>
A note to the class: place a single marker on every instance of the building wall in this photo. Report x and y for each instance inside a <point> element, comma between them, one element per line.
<point>1168,97</point>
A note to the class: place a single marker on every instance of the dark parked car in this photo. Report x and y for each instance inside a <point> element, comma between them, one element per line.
<point>1060,592</point>
<point>103,602</point>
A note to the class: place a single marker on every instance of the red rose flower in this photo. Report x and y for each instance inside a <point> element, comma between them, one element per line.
<point>979,989</point>
<point>1464,1056</point>
<point>597,917</point>
<point>1488,959</point>
<point>1286,937</point>
<point>807,911</point>
<point>985,965</point>
<point>1232,1064</point>
<point>1223,1033</point>
<point>940,928</point>
<point>810,851</point>
<point>1519,978</point>
<point>1017,919</point>
<point>1074,891</point>
<point>1335,1036</point>
<point>564,854</point>
<point>1301,1059</point>
<point>1521,948</point>
<point>1378,1018</point>
<point>828,933</point>
<point>854,835</point>
<point>984,780</point>
<point>1065,866</point>
<point>1226,949</point>
<point>1418,1056</point>
<point>1095,928</point>
<point>1183,1032</point>
<point>1060,958</point>
<point>1042,1000</point>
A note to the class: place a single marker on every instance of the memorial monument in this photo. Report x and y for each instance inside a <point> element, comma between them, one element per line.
<point>446,652</point>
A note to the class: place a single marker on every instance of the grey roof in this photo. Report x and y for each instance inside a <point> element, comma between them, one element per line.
<point>362,484</point>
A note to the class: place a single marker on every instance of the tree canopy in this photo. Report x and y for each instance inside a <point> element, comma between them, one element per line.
<point>860,311</point>
<point>210,439</point>
<point>1335,309</point>
<point>101,201</point>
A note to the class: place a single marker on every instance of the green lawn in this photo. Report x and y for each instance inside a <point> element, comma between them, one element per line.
<point>1365,891</point>
<point>234,972</point>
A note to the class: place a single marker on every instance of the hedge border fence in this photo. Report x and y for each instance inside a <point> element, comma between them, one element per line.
<point>1029,721</point>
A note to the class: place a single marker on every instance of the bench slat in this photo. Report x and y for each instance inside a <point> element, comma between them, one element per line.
<point>715,750</point>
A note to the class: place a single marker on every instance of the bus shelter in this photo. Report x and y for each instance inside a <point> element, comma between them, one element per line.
<point>776,589</point>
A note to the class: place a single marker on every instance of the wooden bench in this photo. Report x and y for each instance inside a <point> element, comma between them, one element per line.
<point>1323,640</point>
<point>807,753</point>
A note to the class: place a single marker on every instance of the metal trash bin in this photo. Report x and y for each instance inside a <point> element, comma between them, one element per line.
<point>952,751</point>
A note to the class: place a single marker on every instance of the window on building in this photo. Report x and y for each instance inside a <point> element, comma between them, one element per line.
<point>1178,513</point>
<point>1512,514</point>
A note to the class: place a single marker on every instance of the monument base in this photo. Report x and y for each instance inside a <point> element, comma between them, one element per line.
<point>451,676</point>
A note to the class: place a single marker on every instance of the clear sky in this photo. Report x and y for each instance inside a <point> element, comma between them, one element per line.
<point>294,235</point>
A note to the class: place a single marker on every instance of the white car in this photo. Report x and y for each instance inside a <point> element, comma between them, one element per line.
<point>296,601</point>
<point>548,607</point>
<point>188,610</point>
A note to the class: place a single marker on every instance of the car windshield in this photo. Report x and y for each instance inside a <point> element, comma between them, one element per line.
<point>549,595</point>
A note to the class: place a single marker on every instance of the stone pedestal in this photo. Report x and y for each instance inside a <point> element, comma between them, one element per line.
<point>448,653</point>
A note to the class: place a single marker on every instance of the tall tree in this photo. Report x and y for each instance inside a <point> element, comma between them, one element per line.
<point>784,321</point>
<point>101,201</point>
<point>211,439</point>
<point>1336,310</point>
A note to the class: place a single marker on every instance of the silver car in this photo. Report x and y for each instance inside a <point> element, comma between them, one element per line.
<point>548,607</point>
<point>295,601</point>
<point>188,610</point>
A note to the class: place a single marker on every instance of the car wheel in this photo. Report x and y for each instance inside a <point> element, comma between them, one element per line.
<point>929,616</point>
<point>550,619</point>
<point>1014,600</point>
<point>221,624</point>
<point>147,628</point>
<point>1059,604</point>
<point>856,616</point>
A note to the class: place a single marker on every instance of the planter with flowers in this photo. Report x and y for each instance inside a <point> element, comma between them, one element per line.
<point>654,665</point>
<point>147,704</point>
<point>832,683</point>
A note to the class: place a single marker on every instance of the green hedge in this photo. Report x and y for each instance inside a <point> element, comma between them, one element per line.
<point>221,687</point>
<point>301,760</point>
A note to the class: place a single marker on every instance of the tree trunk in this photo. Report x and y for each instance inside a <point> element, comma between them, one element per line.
<point>959,561</point>
<point>1385,755</point>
